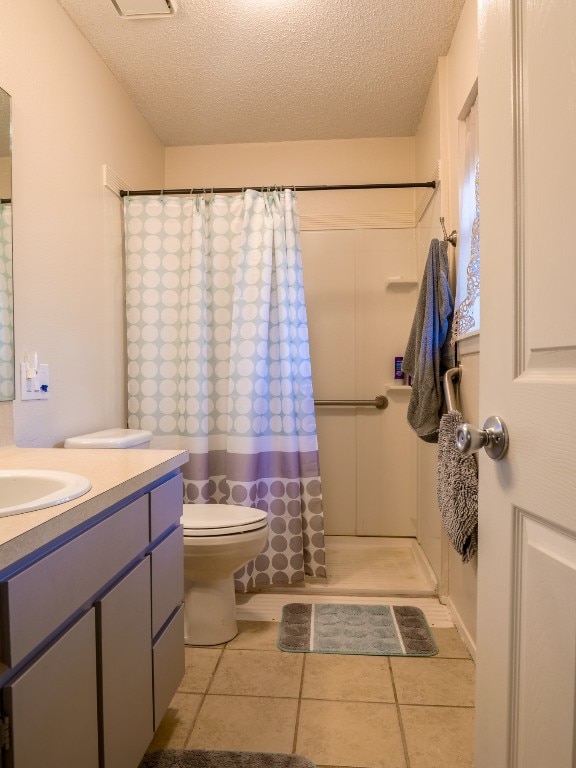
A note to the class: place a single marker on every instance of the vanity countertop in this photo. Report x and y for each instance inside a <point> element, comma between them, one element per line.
<point>114,475</point>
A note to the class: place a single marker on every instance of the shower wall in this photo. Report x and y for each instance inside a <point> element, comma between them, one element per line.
<point>358,323</point>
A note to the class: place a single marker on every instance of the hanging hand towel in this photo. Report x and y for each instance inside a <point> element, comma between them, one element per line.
<point>457,489</point>
<point>429,353</point>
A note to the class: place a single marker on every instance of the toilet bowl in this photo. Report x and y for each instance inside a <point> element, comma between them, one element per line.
<point>218,540</point>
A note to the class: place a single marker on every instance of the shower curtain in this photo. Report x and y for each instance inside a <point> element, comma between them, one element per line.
<point>218,362</point>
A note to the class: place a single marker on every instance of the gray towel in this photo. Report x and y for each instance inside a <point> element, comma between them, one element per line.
<point>457,489</point>
<point>429,352</point>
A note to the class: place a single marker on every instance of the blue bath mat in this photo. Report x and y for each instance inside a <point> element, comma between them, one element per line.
<point>377,630</point>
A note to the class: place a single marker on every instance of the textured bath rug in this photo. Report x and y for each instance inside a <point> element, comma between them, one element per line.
<point>377,630</point>
<point>206,758</point>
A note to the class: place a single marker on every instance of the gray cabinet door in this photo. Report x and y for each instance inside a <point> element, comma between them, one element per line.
<point>52,704</point>
<point>168,655</point>
<point>125,657</point>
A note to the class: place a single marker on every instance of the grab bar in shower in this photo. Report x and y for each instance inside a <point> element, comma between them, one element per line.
<point>380,402</point>
<point>451,375</point>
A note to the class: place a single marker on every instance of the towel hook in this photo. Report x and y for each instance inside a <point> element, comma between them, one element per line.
<point>451,238</point>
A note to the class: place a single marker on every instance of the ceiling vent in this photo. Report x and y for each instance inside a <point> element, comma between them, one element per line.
<point>145,9</point>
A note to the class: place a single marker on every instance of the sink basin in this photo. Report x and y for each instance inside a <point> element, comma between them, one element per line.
<point>25,490</point>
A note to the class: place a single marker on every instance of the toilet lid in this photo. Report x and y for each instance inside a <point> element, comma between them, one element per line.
<point>220,519</point>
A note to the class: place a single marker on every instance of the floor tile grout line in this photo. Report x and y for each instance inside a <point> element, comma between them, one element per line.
<point>204,695</point>
<point>438,706</point>
<point>435,657</point>
<point>298,707</point>
<point>254,696</point>
<point>399,714</point>
<point>332,701</point>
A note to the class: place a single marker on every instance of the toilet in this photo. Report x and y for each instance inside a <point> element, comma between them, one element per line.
<point>218,540</point>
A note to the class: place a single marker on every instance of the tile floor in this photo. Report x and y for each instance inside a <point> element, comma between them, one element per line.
<point>353,711</point>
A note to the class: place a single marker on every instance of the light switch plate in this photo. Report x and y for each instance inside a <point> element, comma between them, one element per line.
<point>41,380</point>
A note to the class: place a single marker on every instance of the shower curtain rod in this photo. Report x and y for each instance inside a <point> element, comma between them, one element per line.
<point>316,188</point>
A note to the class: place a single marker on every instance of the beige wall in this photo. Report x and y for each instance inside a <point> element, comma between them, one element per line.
<point>438,139</point>
<point>6,424</point>
<point>429,153</point>
<point>347,161</point>
<point>70,116</point>
<point>5,176</point>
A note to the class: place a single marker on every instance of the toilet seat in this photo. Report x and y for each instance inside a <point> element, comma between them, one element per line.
<point>221,519</point>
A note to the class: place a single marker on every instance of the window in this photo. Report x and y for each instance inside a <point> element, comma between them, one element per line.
<point>467,299</point>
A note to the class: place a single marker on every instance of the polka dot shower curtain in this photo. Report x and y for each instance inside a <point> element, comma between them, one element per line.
<point>218,362</point>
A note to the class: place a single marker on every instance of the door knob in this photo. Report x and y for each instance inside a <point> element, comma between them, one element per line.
<point>493,438</point>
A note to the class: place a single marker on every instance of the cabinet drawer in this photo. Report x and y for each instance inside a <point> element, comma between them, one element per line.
<point>38,600</point>
<point>168,659</point>
<point>166,506</point>
<point>167,578</point>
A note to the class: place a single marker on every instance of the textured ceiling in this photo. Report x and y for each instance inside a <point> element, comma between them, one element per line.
<point>230,71</point>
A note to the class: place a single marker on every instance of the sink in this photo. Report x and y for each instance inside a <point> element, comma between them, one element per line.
<point>25,490</point>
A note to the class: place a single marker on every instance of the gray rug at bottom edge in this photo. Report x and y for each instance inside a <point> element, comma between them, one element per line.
<point>200,758</point>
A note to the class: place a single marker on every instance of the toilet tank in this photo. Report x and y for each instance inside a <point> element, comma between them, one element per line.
<point>111,438</point>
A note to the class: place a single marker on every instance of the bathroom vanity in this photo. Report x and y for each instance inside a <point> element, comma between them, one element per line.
<point>91,617</point>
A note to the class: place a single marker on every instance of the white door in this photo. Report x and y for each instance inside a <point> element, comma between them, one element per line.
<point>526,710</point>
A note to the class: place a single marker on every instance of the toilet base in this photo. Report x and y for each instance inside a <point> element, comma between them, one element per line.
<point>209,612</point>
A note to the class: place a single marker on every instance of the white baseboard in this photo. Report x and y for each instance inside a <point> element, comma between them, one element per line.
<point>467,638</point>
<point>420,557</point>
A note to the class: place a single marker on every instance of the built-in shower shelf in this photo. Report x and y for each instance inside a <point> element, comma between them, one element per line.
<point>399,387</point>
<point>400,281</point>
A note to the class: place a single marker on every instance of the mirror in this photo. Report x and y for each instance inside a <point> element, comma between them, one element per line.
<point>6,285</point>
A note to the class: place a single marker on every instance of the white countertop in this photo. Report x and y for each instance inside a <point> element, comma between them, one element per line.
<point>114,475</point>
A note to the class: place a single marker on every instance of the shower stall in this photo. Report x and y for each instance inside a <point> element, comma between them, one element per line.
<point>361,289</point>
